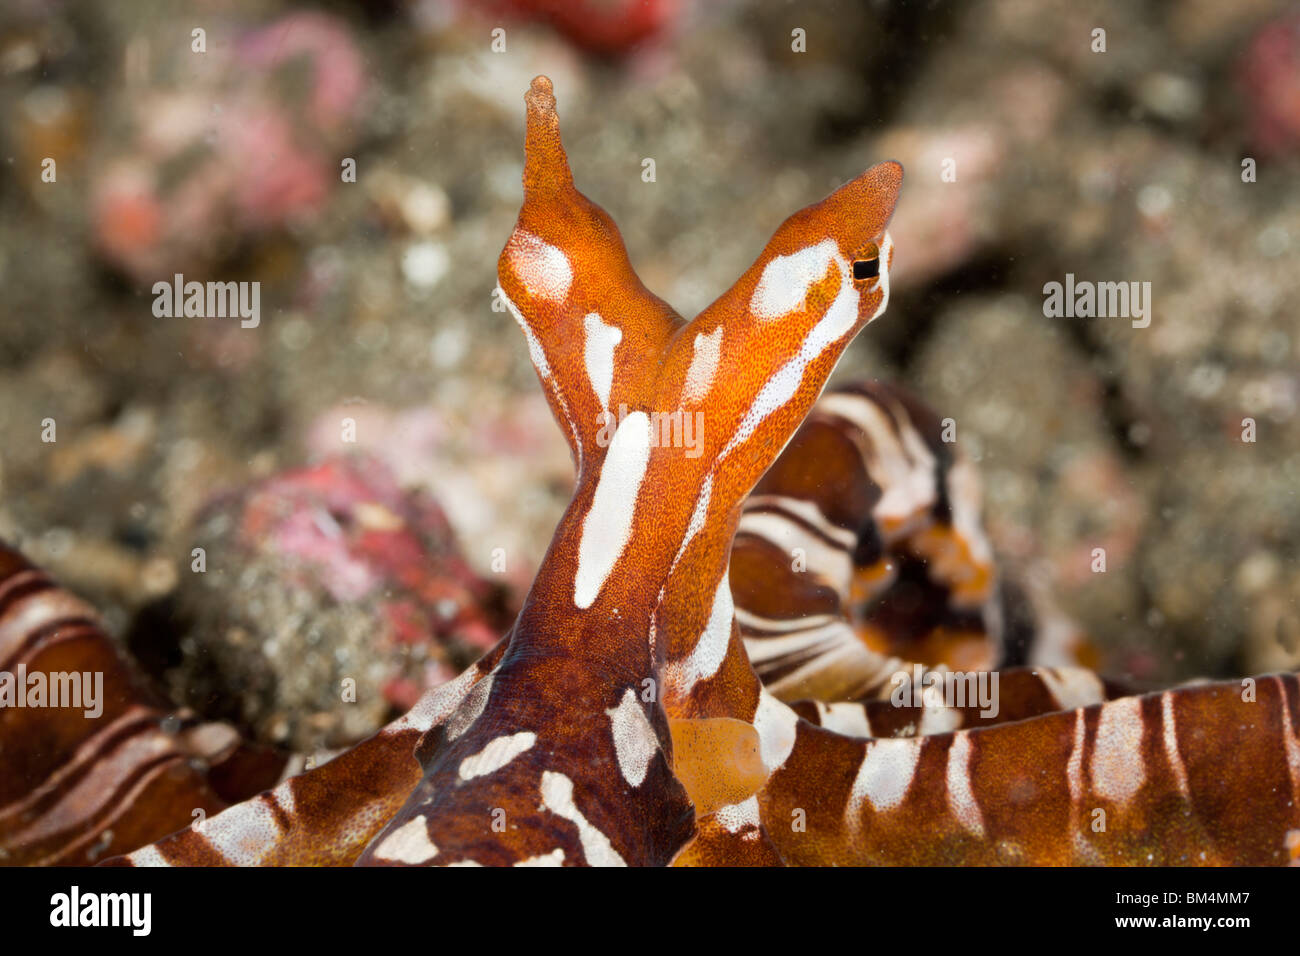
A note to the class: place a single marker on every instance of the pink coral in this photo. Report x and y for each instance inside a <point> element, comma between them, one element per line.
<point>348,528</point>
<point>241,151</point>
<point>1270,74</point>
<point>338,74</point>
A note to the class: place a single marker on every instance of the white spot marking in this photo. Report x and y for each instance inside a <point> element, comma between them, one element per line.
<point>801,642</point>
<point>557,796</point>
<point>784,383</point>
<point>698,516</point>
<point>535,351</point>
<point>1117,770</point>
<point>830,564</point>
<point>608,525</point>
<point>886,256</point>
<point>886,774</point>
<point>244,834</point>
<point>635,743</point>
<point>904,470</point>
<point>848,719</point>
<point>1170,733</point>
<point>938,719</point>
<point>777,725</point>
<point>961,798</point>
<point>598,353</point>
<point>965,497</point>
<point>437,704</point>
<point>543,367</point>
<point>409,843</point>
<point>1074,767</point>
<point>833,651</point>
<point>784,284</point>
<point>25,615</point>
<point>554,858</point>
<point>710,648</point>
<point>496,755</point>
<point>738,816</point>
<point>1071,687</point>
<point>704,366</point>
<point>809,512</point>
<point>148,856</point>
<point>543,269</point>
<point>756,623</point>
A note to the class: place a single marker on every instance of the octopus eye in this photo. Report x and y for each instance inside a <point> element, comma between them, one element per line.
<point>867,265</point>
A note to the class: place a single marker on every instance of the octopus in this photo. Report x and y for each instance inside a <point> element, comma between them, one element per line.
<point>779,639</point>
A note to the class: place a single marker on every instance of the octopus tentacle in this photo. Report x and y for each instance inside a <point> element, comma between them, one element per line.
<point>1139,780</point>
<point>327,815</point>
<point>593,330</point>
<point>919,703</point>
<point>115,767</point>
<point>862,552</point>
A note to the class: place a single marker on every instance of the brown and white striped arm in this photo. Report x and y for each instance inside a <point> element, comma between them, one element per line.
<point>94,762</point>
<point>1204,775</point>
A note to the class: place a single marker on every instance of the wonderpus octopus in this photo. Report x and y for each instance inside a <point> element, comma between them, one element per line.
<point>706,668</point>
